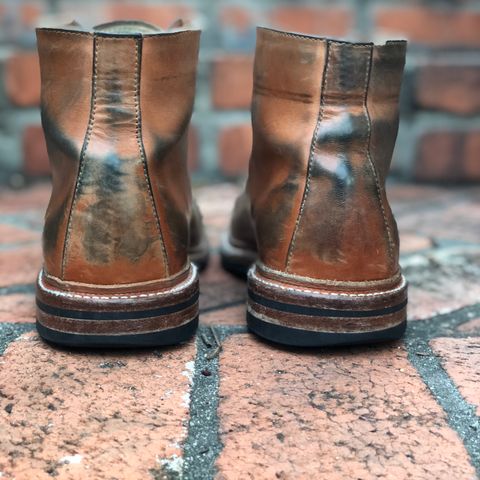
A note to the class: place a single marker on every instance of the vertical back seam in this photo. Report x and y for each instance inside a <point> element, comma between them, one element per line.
<point>369,157</point>
<point>310,158</point>
<point>141,147</point>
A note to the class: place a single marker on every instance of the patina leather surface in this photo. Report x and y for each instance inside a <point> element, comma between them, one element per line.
<point>325,119</point>
<point>242,233</point>
<point>116,110</point>
<point>66,61</point>
<point>168,90</point>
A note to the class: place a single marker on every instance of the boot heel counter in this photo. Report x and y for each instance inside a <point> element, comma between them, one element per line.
<point>345,229</point>
<point>394,235</point>
<point>54,231</point>
<point>113,233</point>
<point>121,196</point>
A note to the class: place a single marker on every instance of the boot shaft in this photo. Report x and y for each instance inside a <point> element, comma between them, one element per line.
<point>325,119</point>
<point>115,110</point>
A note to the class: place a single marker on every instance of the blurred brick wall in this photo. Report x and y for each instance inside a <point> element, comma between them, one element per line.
<point>439,138</point>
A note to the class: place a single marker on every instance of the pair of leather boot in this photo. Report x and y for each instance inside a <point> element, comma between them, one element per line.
<point>123,240</point>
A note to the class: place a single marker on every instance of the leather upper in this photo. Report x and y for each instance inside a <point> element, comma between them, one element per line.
<point>325,119</point>
<point>116,109</point>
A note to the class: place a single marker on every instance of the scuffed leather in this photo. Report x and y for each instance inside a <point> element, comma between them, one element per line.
<point>168,91</point>
<point>242,233</point>
<point>113,193</point>
<point>66,61</point>
<point>286,95</point>
<point>325,118</point>
<point>121,204</point>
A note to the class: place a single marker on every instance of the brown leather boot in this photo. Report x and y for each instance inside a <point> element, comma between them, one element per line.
<point>325,119</point>
<point>116,106</point>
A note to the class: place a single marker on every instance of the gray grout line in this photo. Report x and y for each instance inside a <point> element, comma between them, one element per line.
<point>203,445</point>
<point>461,415</point>
<point>10,331</point>
<point>15,289</point>
<point>442,325</point>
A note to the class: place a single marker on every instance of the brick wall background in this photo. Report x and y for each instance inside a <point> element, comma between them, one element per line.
<point>439,138</point>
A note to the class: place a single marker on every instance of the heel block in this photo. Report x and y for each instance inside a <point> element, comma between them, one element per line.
<point>306,316</point>
<point>128,319</point>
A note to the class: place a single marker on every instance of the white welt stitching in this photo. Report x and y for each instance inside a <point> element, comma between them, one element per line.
<point>252,275</point>
<point>324,282</point>
<point>189,281</point>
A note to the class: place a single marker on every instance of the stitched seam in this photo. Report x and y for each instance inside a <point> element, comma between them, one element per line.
<point>369,157</point>
<point>111,286</point>
<point>312,39</point>
<point>325,39</point>
<point>253,277</point>
<point>253,307</point>
<point>169,35</point>
<point>65,32</point>
<point>88,134</point>
<point>164,35</point>
<point>326,282</point>
<point>138,130</point>
<point>175,289</point>
<point>310,159</point>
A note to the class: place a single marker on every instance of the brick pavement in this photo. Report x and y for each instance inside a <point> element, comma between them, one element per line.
<point>405,410</point>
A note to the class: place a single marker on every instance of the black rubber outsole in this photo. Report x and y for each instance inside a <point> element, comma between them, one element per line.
<point>117,315</point>
<point>296,337</point>
<point>234,268</point>
<point>170,336</point>
<point>202,263</point>
<point>315,311</point>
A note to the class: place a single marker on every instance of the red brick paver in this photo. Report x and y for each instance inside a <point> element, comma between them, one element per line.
<point>35,197</point>
<point>73,415</point>
<point>412,242</point>
<point>442,282</point>
<point>18,307</point>
<point>20,266</point>
<point>10,234</point>
<point>440,213</point>
<point>216,204</point>
<point>235,315</point>
<point>472,326</point>
<point>461,359</point>
<point>360,413</point>
<point>342,414</point>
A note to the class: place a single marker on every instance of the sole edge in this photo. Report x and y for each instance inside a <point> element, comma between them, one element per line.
<point>296,337</point>
<point>170,336</point>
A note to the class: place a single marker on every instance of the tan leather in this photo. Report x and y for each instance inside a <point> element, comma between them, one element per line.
<point>116,106</point>
<point>66,62</point>
<point>168,84</point>
<point>325,119</point>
